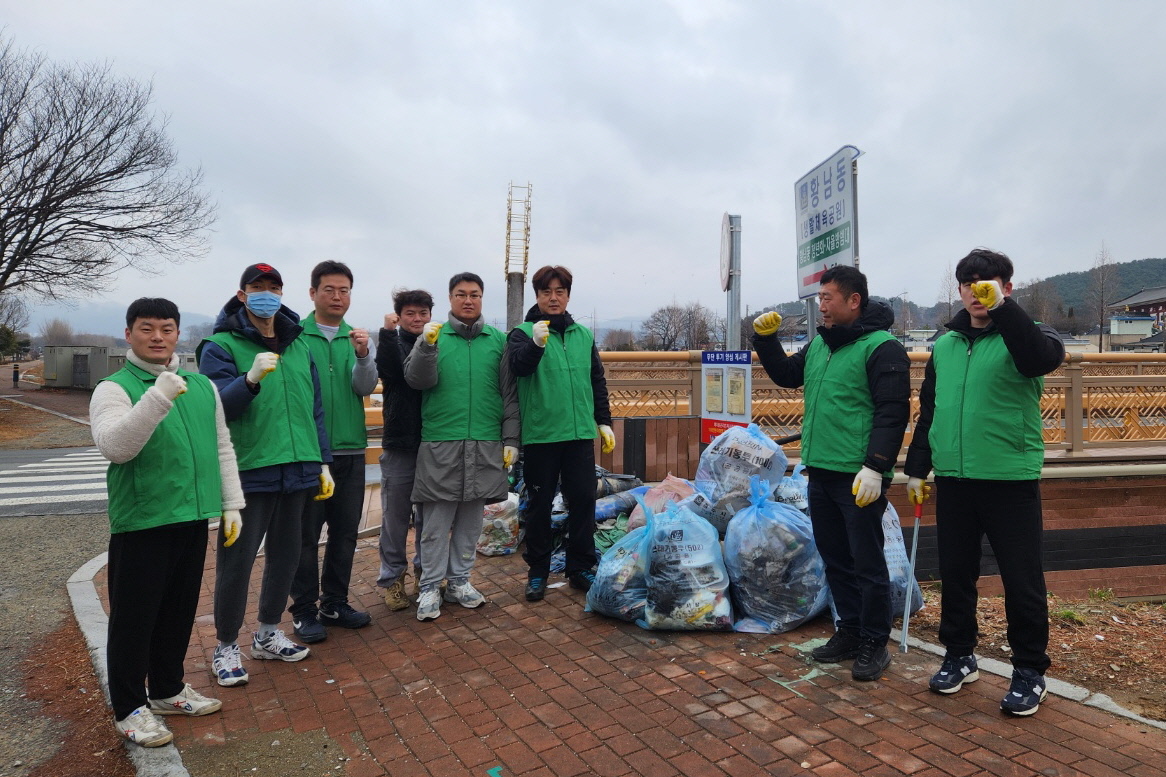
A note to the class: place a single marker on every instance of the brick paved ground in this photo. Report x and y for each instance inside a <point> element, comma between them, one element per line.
<point>550,691</point>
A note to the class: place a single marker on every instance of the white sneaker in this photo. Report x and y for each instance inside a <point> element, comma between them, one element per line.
<point>228,666</point>
<point>187,702</point>
<point>464,594</point>
<point>429,604</point>
<point>142,728</point>
<point>278,647</point>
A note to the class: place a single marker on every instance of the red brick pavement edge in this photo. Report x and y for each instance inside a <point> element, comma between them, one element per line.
<point>548,690</point>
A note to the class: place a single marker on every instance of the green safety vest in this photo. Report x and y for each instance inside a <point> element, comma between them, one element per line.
<point>556,402</point>
<point>279,426</point>
<point>343,409</point>
<point>839,411</point>
<point>175,477</point>
<point>987,422</point>
<point>466,403</point>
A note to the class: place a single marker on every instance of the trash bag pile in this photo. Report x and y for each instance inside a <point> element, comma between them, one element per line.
<point>502,531</point>
<point>687,585</point>
<point>778,579</point>
<point>722,476</point>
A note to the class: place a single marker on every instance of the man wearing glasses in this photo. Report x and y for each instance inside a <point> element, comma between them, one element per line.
<point>346,362</point>
<point>469,438</point>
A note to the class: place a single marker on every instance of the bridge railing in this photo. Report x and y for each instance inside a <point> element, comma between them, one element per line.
<point>1091,403</point>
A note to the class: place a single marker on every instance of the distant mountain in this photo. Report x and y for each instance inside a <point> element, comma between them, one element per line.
<point>93,317</point>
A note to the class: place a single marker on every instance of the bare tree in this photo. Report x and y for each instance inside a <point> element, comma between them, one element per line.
<point>949,295</point>
<point>662,330</point>
<point>89,179</point>
<point>13,312</point>
<point>619,340</point>
<point>57,331</point>
<point>1041,300</point>
<point>1103,283</point>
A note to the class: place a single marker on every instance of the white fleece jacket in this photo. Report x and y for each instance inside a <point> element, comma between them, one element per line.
<point>121,429</point>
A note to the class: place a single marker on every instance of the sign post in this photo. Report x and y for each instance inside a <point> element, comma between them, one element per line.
<point>731,278</point>
<point>727,381</point>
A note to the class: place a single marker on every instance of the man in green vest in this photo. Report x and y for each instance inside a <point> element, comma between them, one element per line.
<point>857,402</point>
<point>272,400</point>
<point>562,394</point>
<point>980,428</point>
<point>347,367</point>
<point>469,438</point>
<point>172,468</point>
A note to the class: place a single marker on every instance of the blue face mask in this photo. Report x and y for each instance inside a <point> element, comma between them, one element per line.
<point>264,304</point>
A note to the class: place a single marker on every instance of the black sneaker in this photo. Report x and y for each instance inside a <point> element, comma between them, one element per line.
<point>873,659</point>
<point>341,614</point>
<point>582,579</point>
<point>1026,692</point>
<point>956,671</point>
<point>536,589</point>
<point>307,628</point>
<point>843,645</point>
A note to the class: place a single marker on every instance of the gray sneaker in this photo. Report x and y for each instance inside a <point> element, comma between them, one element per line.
<point>142,728</point>
<point>464,594</point>
<point>429,604</point>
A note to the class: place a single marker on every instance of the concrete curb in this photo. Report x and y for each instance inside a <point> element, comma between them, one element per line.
<point>50,412</point>
<point>1055,686</point>
<point>91,617</point>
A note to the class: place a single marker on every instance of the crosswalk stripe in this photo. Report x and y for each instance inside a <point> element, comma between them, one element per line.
<point>52,478</point>
<point>36,500</point>
<point>100,487</point>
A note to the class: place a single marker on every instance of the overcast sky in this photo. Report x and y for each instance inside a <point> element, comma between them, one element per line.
<point>385,134</point>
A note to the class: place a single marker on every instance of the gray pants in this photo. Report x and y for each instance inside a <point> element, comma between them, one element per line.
<point>278,516</point>
<point>397,471</point>
<point>449,540</point>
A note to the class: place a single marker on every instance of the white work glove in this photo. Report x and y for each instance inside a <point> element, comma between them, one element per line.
<point>868,486</point>
<point>767,323</point>
<point>431,331</point>
<point>989,293</point>
<point>540,332</point>
<point>607,437</point>
<point>229,526</point>
<point>917,490</point>
<point>264,364</point>
<point>171,384</point>
<point>327,484</point>
<point>509,456</point>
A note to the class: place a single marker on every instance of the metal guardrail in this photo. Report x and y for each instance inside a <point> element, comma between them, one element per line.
<point>1094,402</point>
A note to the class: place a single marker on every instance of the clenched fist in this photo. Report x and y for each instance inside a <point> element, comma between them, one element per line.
<point>988,293</point>
<point>171,384</point>
<point>264,365</point>
<point>431,331</point>
<point>540,332</point>
<point>767,323</point>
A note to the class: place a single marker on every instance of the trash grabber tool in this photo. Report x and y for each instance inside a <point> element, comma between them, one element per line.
<point>910,579</point>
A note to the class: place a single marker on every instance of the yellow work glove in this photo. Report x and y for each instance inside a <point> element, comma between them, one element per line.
<point>990,294</point>
<point>171,384</point>
<point>509,456</point>
<point>540,332</point>
<point>608,439</point>
<point>264,364</point>
<point>431,331</point>
<point>767,323</point>
<point>917,490</point>
<point>229,526</point>
<point>327,484</point>
<point>868,486</point>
